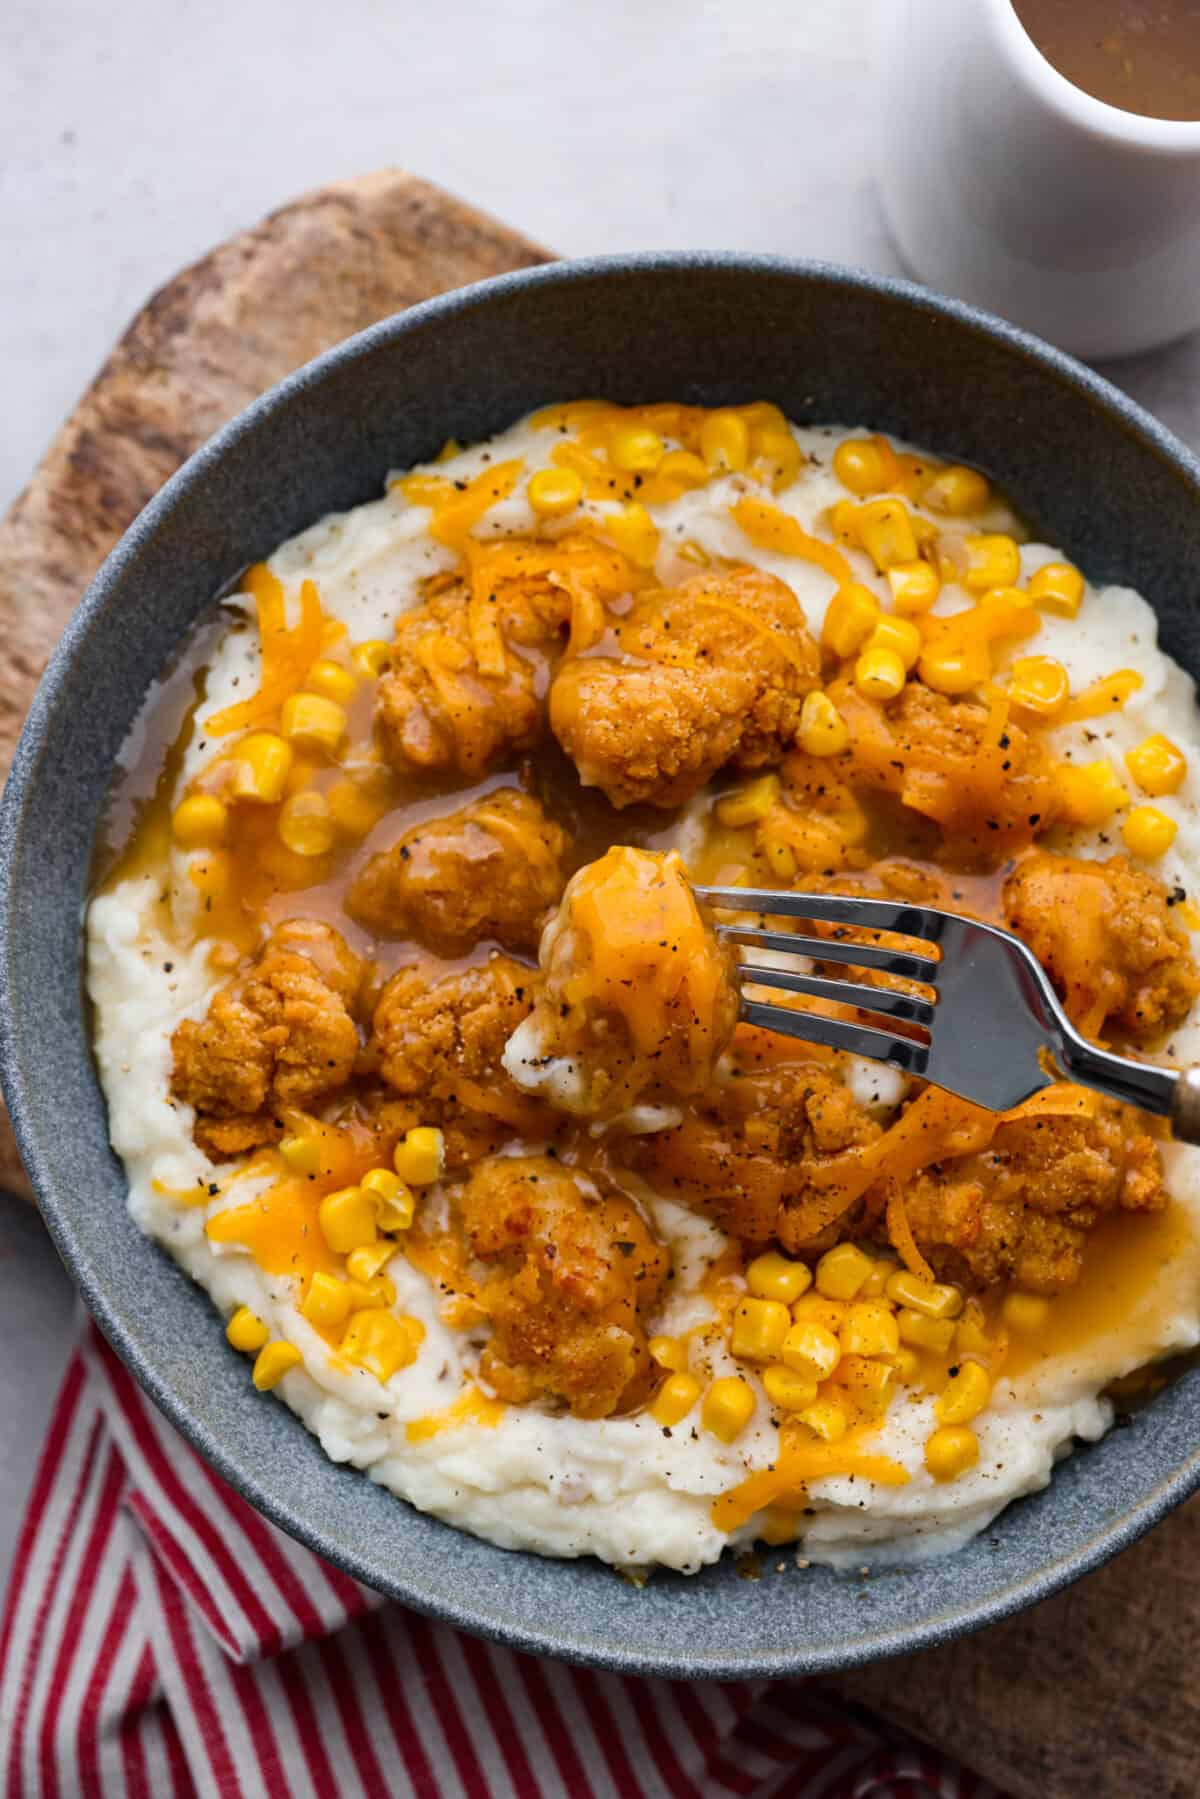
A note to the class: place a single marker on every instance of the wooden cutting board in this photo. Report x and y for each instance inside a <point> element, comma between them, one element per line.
<point>1090,1695</point>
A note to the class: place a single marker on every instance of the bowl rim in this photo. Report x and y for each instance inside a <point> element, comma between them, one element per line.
<point>941,1626</point>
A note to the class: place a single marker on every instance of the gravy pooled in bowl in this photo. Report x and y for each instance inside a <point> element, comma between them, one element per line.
<point>423,1059</point>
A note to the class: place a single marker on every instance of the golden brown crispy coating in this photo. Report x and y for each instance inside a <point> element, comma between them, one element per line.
<point>1103,932</point>
<point>433,1034</point>
<point>574,1271</point>
<point>710,672</point>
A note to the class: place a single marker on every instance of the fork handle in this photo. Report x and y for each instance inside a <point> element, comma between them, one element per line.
<point>1185,1106</point>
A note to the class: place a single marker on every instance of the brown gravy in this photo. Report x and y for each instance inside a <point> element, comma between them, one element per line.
<point>1140,55</point>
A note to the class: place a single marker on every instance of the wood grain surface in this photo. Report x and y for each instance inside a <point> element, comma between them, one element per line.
<point>1091,1695</point>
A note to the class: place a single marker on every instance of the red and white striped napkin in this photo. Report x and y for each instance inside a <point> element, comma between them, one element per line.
<point>160,1637</point>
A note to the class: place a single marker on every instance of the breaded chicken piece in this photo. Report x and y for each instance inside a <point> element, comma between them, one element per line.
<point>493,869</point>
<point>279,1035</point>
<point>573,1272</point>
<point>638,995</point>
<point>710,672</point>
<point>1104,934</point>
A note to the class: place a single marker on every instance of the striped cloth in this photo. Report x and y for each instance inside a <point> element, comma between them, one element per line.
<point>160,1637</point>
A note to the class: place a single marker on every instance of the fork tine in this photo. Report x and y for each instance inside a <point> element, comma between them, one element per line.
<point>834,949</point>
<point>836,908</point>
<point>837,1033</point>
<point>850,993</point>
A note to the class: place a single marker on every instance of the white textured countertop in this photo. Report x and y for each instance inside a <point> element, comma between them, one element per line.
<point>133,138</point>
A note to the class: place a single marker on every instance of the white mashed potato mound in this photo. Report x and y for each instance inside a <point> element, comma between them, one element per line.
<point>622,1489</point>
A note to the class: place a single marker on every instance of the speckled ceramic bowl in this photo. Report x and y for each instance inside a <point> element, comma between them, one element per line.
<point>1091,472</point>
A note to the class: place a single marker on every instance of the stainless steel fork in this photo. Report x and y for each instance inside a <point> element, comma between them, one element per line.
<point>989,1026</point>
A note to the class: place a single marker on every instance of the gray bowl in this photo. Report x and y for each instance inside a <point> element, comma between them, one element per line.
<point>1093,474</point>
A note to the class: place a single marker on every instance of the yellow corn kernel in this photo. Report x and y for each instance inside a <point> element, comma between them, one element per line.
<point>747,805</point>
<point>898,634</point>
<point>869,1329</point>
<point>378,1291</point>
<point>869,1383</point>
<point>811,1350</point>
<point>1148,833</point>
<point>787,1389</point>
<point>262,766</point>
<point>964,1396</point>
<point>777,1525</point>
<point>814,1308</point>
<point>725,442</point>
<point>552,492</point>
<point>920,1331</point>
<point>421,1157</point>
<point>1157,765</point>
<point>246,1331</point>
<point>843,522</point>
<point>955,668</point>
<point>827,1418</point>
<point>950,1451</point>
<point>886,533</point>
<point>381,1344</point>
<point>759,1327</point>
<point>970,1337</point>
<point>373,657</point>
<point>301,1153</point>
<point>682,466</point>
<point>915,586</point>
<point>728,1407</point>
<point>635,448</point>
<point>776,456</point>
<point>675,1399</point>
<point>634,533</point>
<point>957,491</point>
<point>211,874</point>
<point>772,1276</point>
<point>272,1363</point>
<point>331,681</point>
<point>1025,1312</point>
<point>199,822</point>
<point>1091,794</point>
<point>823,731</point>
<point>306,825</point>
<point>1040,684</point>
<point>364,1263</point>
<point>876,1282</point>
<point>312,722</point>
<point>347,1219</point>
<point>879,674</point>
<point>842,1271</point>
<point>669,1353</point>
<point>935,1298</point>
<point>862,465</point>
<point>1058,588</point>
<point>396,1203</point>
<point>907,1364</point>
<point>354,808</point>
<point>850,618</point>
<point>327,1302</point>
<point>993,560</point>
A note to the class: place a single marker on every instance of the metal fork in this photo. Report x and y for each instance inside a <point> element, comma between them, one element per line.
<point>990,1028</point>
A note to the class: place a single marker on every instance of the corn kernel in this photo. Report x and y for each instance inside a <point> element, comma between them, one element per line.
<point>331,681</point>
<point>1157,765</point>
<point>635,534</point>
<point>950,1451</point>
<point>272,1363</point>
<point>1025,1311</point>
<point>747,805</point>
<point>915,586</point>
<point>682,466</point>
<point>827,1418</point>
<point>879,674</point>
<point>395,1209</point>
<point>811,1350</point>
<point>777,1525</point>
<point>327,1302</point>
<point>301,1153</point>
<point>635,448</point>
<point>553,492</point>
<point>1091,794</point>
<point>957,491</point>
<point>354,808</point>
<point>898,634</point>
<point>378,1291</point>
<point>920,1331</point>
<point>670,1353</point>
<point>373,657</point>
<point>675,1399</point>
<point>262,766</point>
<point>843,522</point>
<point>364,1263</point>
<point>1040,684</point>
<point>211,874</point>
<point>787,1389</point>
<point>870,1329</point>
<point>886,533</point>
<point>823,731</point>
<point>842,1271</point>
<point>312,722</point>
<point>869,1383</point>
<point>964,1396</point>
<point>199,822</point>
<point>347,1219</point>
<point>861,465</point>
<point>306,825</point>
<point>772,1276</point>
<point>955,668</point>
<point>935,1298</point>
<point>907,1364</point>
<point>420,1158</point>
<point>850,618</point>
<point>776,456</point>
<point>1058,588</point>
<point>759,1328</point>
<point>876,1282</point>
<point>993,560</point>
<point>1149,833</point>
<point>814,1308</point>
<point>970,1337</point>
<point>725,442</point>
<point>246,1331</point>
<point>381,1344</point>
